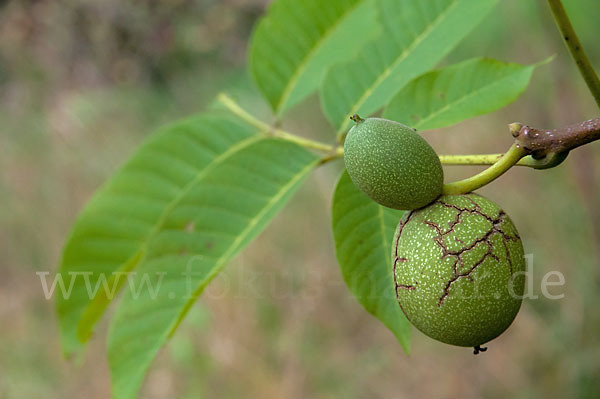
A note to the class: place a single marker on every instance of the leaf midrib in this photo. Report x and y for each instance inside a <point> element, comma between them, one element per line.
<point>387,71</point>
<point>201,174</point>
<point>140,254</point>
<point>306,60</point>
<point>218,265</point>
<point>462,99</point>
<point>223,259</point>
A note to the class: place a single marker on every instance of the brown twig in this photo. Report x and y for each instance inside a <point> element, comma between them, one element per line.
<point>542,149</point>
<point>542,142</point>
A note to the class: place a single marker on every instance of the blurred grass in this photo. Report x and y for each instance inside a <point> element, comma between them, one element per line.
<point>82,83</point>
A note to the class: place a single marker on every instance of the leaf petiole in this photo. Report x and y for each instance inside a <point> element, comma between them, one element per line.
<point>241,113</point>
<point>507,161</point>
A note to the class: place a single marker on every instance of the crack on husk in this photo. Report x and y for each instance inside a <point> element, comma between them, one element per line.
<point>486,239</point>
<point>398,259</point>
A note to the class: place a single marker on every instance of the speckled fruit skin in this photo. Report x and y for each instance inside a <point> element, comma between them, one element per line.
<point>456,269</point>
<point>392,164</point>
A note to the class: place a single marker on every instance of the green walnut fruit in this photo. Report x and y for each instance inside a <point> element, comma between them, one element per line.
<point>459,269</point>
<point>392,164</point>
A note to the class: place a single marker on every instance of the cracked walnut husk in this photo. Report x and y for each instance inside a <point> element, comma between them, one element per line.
<point>458,269</point>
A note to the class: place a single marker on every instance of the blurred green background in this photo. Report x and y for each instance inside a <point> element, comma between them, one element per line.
<point>83,82</point>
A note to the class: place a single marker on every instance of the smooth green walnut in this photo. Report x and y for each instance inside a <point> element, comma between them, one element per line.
<point>458,269</point>
<point>392,164</point>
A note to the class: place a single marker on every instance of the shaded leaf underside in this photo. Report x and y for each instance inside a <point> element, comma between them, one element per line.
<point>363,232</point>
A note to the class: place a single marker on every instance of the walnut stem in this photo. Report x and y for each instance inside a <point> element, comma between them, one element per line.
<point>541,142</point>
<point>545,148</point>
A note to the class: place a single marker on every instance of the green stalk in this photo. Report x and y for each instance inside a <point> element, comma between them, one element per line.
<point>480,159</point>
<point>500,162</point>
<point>235,108</point>
<point>508,160</point>
<point>574,45</point>
<point>467,160</point>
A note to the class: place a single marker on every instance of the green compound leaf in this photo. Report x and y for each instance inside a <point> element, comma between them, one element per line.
<point>363,232</point>
<point>187,201</point>
<point>450,95</point>
<point>295,43</point>
<point>417,34</point>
